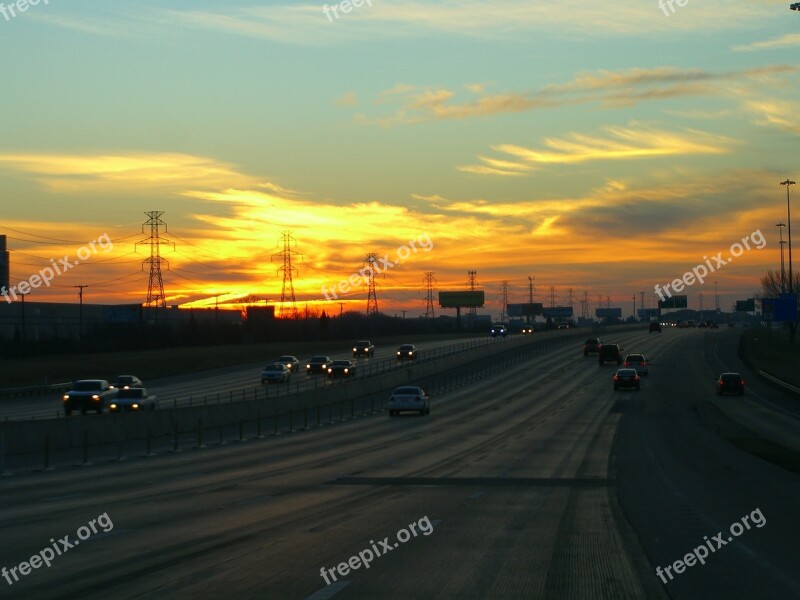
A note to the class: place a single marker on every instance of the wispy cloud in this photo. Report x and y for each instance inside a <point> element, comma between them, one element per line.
<point>609,89</point>
<point>790,40</point>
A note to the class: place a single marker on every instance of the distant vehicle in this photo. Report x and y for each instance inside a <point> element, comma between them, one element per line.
<point>290,361</point>
<point>638,362</point>
<point>409,398</point>
<point>88,394</point>
<point>701,324</point>
<point>609,353</point>
<point>407,352</point>
<point>681,325</point>
<point>730,383</point>
<point>318,364</point>
<point>131,399</point>
<point>363,348</point>
<point>342,368</point>
<point>713,325</point>
<point>654,326</point>
<point>498,330</point>
<point>795,6</point>
<point>690,323</point>
<point>626,378</point>
<point>591,346</point>
<point>123,382</point>
<point>277,372</point>
<point>563,326</point>
<point>527,330</point>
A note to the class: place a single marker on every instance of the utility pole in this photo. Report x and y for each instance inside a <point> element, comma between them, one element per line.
<point>24,337</point>
<point>634,308</point>
<point>372,295</point>
<point>80,313</point>
<point>472,315</point>
<point>789,183</point>
<point>782,242</point>
<point>504,308</point>
<point>341,308</point>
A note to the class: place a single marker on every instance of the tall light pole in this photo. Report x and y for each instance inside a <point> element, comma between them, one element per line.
<point>788,183</point>
<point>783,268</point>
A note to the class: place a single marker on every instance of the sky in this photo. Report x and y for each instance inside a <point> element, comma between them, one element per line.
<point>603,148</point>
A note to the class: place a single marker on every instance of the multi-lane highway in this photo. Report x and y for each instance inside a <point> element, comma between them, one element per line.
<point>538,481</point>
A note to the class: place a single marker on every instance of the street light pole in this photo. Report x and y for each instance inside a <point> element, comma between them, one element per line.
<point>788,183</point>
<point>783,268</point>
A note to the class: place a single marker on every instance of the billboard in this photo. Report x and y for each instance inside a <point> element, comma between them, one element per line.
<point>783,308</point>
<point>558,312</point>
<point>528,309</point>
<point>748,305</point>
<point>461,299</point>
<point>647,313</point>
<point>608,313</point>
<point>674,302</point>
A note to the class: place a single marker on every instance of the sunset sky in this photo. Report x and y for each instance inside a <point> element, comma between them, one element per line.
<point>600,146</point>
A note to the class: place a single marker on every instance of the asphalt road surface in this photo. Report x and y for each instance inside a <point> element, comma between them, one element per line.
<point>539,482</point>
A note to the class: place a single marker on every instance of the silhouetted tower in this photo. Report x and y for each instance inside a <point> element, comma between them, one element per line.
<point>570,297</point>
<point>552,296</point>
<point>429,281</point>
<point>504,308</point>
<point>472,315</point>
<point>585,306</point>
<point>287,289</point>
<point>530,288</point>
<point>155,284</point>
<point>372,295</point>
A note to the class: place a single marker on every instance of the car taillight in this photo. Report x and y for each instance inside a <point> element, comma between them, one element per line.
<point>636,378</point>
<point>616,377</point>
<point>627,364</point>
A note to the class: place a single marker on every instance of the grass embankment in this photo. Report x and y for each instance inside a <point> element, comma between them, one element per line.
<point>770,350</point>
<point>152,364</point>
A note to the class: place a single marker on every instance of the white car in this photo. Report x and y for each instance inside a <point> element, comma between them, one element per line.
<point>275,373</point>
<point>409,398</point>
<point>638,362</point>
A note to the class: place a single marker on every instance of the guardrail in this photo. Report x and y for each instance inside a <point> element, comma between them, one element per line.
<point>35,390</point>
<point>780,382</point>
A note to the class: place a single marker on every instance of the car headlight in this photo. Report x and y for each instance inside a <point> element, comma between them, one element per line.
<point>308,366</point>
<point>134,406</point>
<point>112,406</point>
<point>95,397</point>
<point>66,397</point>
<point>346,370</point>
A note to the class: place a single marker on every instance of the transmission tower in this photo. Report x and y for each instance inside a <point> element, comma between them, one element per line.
<point>570,297</point>
<point>585,306</point>
<point>552,296</point>
<point>429,281</point>
<point>472,315</point>
<point>155,284</point>
<point>530,288</point>
<point>285,258</point>
<point>372,296</point>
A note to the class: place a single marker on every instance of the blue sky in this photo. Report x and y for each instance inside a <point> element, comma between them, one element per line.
<point>604,147</point>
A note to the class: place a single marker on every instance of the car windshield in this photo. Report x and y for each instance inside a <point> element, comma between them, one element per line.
<point>124,379</point>
<point>627,372</point>
<point>407,391</point>
<point>285,359</point>
<point>131,393</point>
<point>635,358</point>
<point>87,386</point>
<point>362,343</point>
<point>406,347</point>
<point>592,341</point>
<point>319,359</point>
<point>340,363</point>
<point>275,367</point>
<point>731,377</point>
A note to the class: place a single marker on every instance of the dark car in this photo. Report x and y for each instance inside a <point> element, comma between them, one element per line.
<point>527,330</point>
<point>498,330</point>
<point>318,364</point>
<point>88,394</point>
<point>363,348</point>
<point>290,361</point>
<point>591,346</point>
<point>342,368</point>
<point>132,399</point>
<point>124,382</point>
<point>626,378</point>
<point>730,383</point>
<point>407,352</point>
<point>609,353</point>
<point>655,326</point>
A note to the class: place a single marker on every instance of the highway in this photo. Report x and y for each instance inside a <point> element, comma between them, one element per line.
<point>538,481</point>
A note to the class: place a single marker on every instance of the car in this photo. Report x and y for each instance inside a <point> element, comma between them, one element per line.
<point>124,382</point>
<point>88,394</point>
<point>409,398</point>
<point>277,372</point>
<point>730,383</point>
<point>498,330</point>
<point>131,399</point>
<point>713,325</point>
<point>527,330</point>
<point>318,364</point>
<point>609,353</point>
<point>591,346</point>
<point>407,352</point>
<point>638,362</point>
<point>363,348</point>
<point>690,323</point>
<point>681,325</point>
<point>701,324</point>
<point>654,326</point>
<point>563,326</point>
<point>627,378</point>
<point>794,6</point>
<point>342,368</point>
<point>290,361</point>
